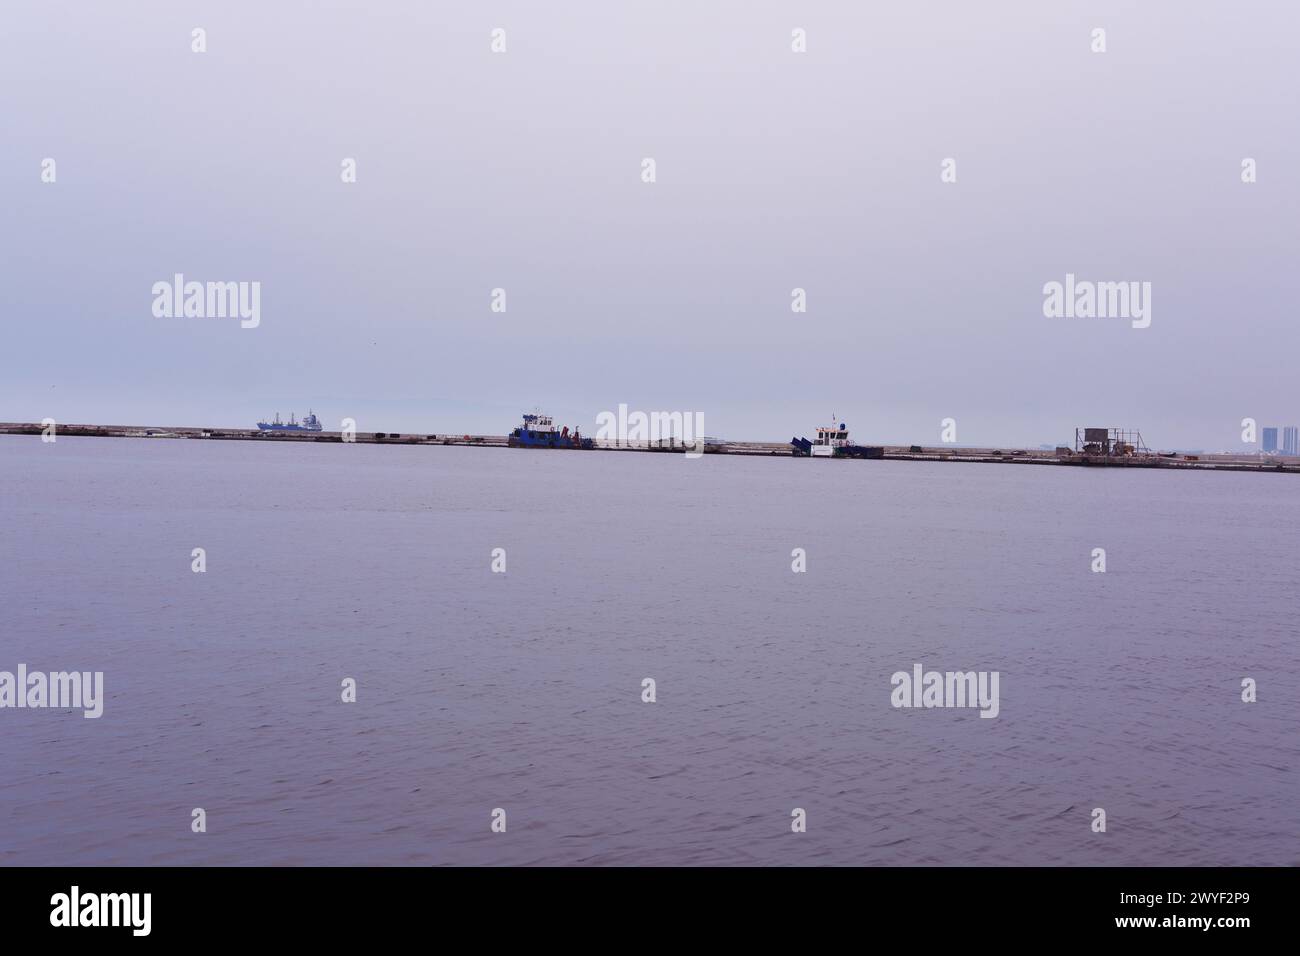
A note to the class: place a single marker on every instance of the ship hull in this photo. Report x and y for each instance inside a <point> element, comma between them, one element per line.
<point>546,440</point>
<point>860,451</point>
<point>549,444</point>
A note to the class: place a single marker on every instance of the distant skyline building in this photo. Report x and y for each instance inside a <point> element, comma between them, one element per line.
<point>1291,440</point>
<point>1270,440</point>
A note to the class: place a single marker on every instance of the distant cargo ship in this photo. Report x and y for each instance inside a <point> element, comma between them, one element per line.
<point>309,424</point>
<point>538,431</point>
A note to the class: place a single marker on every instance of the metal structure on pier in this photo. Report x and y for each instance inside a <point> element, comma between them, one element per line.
<point>1109,442</point>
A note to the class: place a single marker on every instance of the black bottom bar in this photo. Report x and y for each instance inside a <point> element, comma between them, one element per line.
<point>333,906</point>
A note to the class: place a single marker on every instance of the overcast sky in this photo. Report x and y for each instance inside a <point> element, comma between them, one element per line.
<point>775,170</point>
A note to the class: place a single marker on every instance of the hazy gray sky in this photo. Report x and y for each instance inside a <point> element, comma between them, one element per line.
<point>775,170</point>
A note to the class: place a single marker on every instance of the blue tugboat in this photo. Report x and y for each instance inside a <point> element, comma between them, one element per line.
<point>309,424</point>
<point>538,431</point>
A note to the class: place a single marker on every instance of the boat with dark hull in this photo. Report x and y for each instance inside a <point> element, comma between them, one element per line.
<point>833,442</point>
<point>539,431</point>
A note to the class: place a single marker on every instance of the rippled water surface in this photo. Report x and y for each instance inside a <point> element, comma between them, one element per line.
<point>523,690</point>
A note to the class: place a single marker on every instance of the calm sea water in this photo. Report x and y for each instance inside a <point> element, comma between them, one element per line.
<point>523,690</point>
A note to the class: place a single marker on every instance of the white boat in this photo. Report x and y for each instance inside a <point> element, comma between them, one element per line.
<point>830,439</point>
<point>833,442</point>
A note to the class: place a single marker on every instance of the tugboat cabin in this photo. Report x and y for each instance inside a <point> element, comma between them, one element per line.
<point>830,439</point>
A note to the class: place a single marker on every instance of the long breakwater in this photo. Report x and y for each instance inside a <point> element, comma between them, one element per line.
<point>946,453</point>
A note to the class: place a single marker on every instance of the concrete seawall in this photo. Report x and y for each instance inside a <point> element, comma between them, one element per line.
<point>1289,465</point>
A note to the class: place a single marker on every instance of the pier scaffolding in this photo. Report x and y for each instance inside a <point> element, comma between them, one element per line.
<point>1109,442</point>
